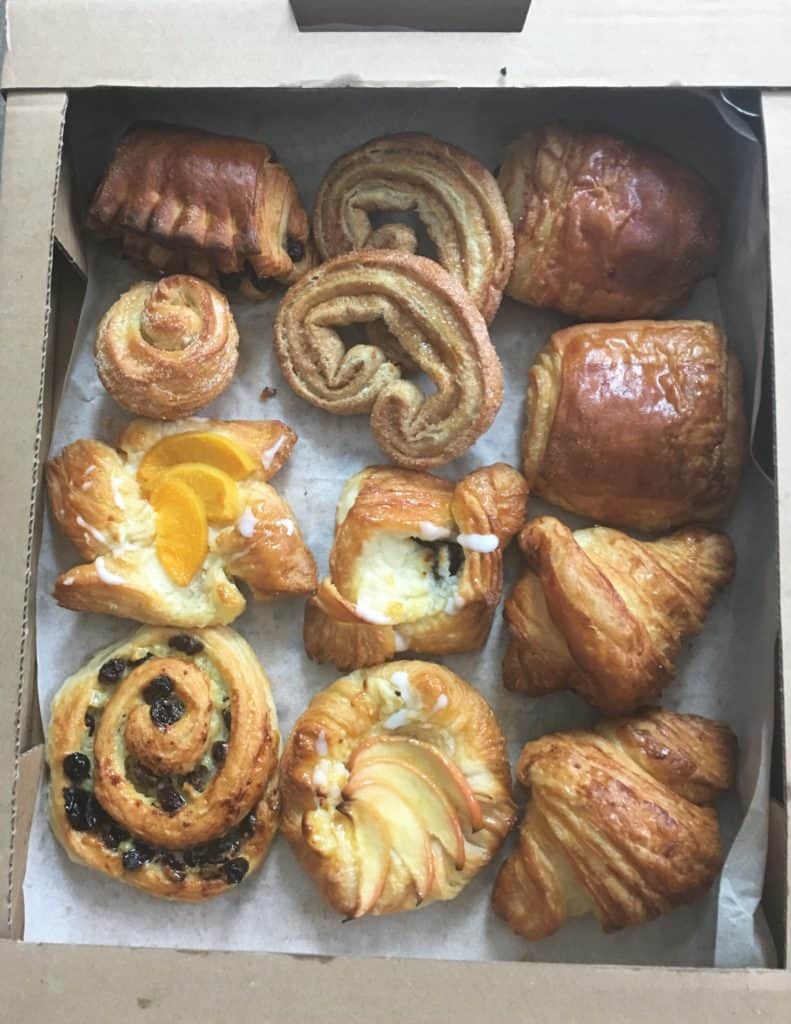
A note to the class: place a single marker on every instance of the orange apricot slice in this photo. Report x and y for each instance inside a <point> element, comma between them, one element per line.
<point>181,530</point>
<point>195,446</point>
<point>215,488</point>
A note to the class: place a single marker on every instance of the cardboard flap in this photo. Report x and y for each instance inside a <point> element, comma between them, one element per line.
<point>30,766</point>
<point>437,16</point>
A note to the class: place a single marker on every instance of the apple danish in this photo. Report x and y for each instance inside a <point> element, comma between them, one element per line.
<point>396,788</point>
<point>186,201</point>
<point>163,754</point>
<point>605,228</point>
<point>165,350</point>
<point>638,424</point>
<point>605,615</point>
<point>616,822</point>
<point>455,197</point>
<point>416,564</point>
<point>428,315</point>
<point>168,521</point>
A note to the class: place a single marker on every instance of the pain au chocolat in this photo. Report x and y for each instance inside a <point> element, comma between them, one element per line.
<point>605,229</point>
<point>187,201</point>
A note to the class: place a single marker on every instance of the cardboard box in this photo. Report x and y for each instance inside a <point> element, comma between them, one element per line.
<point>58,47</point>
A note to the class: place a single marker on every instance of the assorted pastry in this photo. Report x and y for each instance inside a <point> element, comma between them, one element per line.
<point>395,786</point>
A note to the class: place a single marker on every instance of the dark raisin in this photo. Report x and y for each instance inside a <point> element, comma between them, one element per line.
<point>133,860</point>
<point>143,777</point>
<point>226,717</point>
<point>185,643</point>
<point>166,711</point>
<point>229,282</point>
<point>112,671</point>
<point>248,825</point>
<point>170,799</point>
<point>90,723</point>
<point>113,835</point>
<point>77,767</point>
<point>219,751</point>
<point>160,686</point>
<point>139,661</point>
<point>175,865</point>
<point>197,778</point>
<point>455,558</point>
<point>235,869</point>
<point>82,809</point>
<point>295,249</point>
<point>146,851</point>
<point>192,857</point>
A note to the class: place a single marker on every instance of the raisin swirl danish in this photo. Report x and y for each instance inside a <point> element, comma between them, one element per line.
<point>163,754</point>
<point>168,521</point>
<point>396,788</point>
<point>188,201</point>
<point>617,822</point>
<point>416,564</point>
<point>455,197</point>
<point>165,350</point>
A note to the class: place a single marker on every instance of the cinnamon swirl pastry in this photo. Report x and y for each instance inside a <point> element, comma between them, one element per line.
<point>455,197</point>
<point>428,315</point>
<point>163,754</point>
<point>165,350</point>
<point>168,521</point>
<point>416,565</point>
<point>187,201</point>
<point>396,788</point>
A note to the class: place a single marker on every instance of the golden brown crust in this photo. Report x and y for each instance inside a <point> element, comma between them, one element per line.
<point>165,350</point>
<point>612,830</point>
<point>96,500</point>
<point>605,228</point>
<point>184,200</point>
<point>605,615</point>
<point>455,197</point>
<point>396,788</point>
<point>367,610</point>
<point>133,762</point>
<point>638,424</point>
<point>430,316</point>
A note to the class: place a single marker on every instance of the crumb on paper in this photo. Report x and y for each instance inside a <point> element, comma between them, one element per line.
<point>267,393</point>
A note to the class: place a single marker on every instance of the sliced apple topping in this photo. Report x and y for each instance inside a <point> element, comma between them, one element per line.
<point>215,488</point>
<point>212,449</point>
<point>181,530</point>
<point>373,851</point>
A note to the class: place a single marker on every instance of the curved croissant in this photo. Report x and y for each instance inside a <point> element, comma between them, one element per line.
<point>163,754</point>
<point>454,196</point>
<point>430,316</point>
<point>605,615</point>
<point>396,788</point>
<point>613,823</point>
<point>416,564</point>
<point>637,424</point>
<point>605,229</point>
<point>165,350</point>
<point>183,200</point>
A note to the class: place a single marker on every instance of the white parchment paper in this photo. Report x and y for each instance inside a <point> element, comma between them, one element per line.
<point>727,672</point>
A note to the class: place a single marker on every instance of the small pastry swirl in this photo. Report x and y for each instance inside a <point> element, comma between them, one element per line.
<point>428,315</point>
<point>163,754</point>
<point>165,350</point>
<point>396,788</point>
<point>456,198</point>
<point>416,564</point>
<point>614,822</point>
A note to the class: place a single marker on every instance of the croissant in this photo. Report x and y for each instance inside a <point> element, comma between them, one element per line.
<point>163,754</point>
<point>638,424</point>
<point>614,824</point>
<point>396,788</point>
<point>183,200</point>
<point>605,615</point>
<point>427,314</point>
<point>167,522</point>
<point>605,228</point>
<point>455,197</point>
<point>417,564</point>
<point>165,350</point>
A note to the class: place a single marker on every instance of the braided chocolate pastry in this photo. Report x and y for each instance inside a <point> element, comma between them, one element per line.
<point>163,754</point>
<point>429,316</point>
<point>616,822</point>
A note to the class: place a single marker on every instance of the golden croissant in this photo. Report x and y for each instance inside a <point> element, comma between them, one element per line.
<point>455,197</point>
<point>165,350</point>
<point>396,788</point>
<point>637,424</point>
<point>163,753</point>
<point>184,200</point>
<point>170,520</point>
<point>605,228</point>
<point>429,316</point>
<point>416,564</point>
<point>615,822</point>
<point>605,615</point>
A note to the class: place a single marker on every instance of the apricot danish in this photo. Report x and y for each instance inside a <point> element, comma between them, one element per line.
<point>396,788</point>
<point>163,754</point>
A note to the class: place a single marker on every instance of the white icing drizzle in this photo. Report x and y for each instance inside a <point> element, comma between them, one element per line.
<point>96,534</point>
<point>268,457</point>
<point>89,470</point>
<point>400,642</point>
<point>67,581</point>
<point>320,780</point>
<point>87,485</point>
<point>104,573</point>
<point>400,679</point>
<point>369,615</point>
<point>454,604</point>
<point>428,531</point>
<point>117,498</point>
<point>246,523</point>
<point>397,719</point>
<point>440,703</point>
<point>483,543</point>
<point>287,524</point>
<point>321,744</point>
